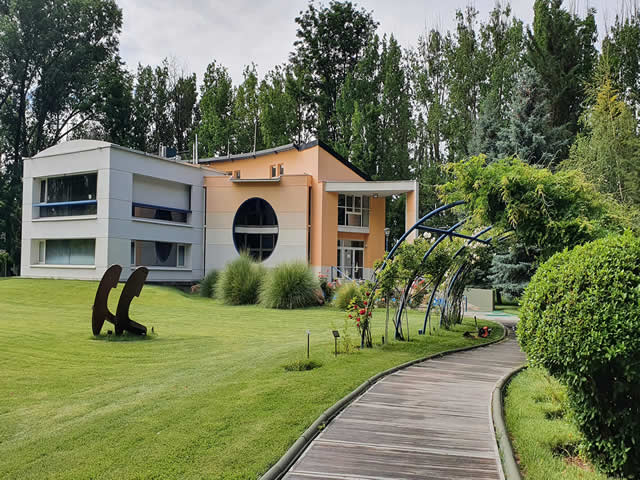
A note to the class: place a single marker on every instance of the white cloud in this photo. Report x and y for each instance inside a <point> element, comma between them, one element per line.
<point>238,32</point>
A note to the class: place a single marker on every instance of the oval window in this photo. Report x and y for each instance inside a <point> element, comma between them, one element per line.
<point>255,228</point>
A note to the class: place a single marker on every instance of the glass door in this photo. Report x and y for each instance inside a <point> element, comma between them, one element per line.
<point>351,259</point>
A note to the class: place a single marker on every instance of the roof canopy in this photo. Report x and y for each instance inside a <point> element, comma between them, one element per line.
<point>373,189</point>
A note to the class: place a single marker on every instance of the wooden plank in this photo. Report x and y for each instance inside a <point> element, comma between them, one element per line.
<point>428,421</point>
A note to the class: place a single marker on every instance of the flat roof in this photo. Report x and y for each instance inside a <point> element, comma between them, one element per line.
<point>83,145</point>
<point>285,148</point>
<point>379,188</point>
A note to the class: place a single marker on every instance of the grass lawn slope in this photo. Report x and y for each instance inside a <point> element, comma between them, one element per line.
<point>544,440</point>
<point>205,397</point>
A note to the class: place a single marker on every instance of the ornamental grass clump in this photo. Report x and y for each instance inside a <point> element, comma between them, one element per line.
<point>344,294</point>
<point>208,284</point>
<point>239,282</point>
<point>580,319</point>
<point>290,285</point>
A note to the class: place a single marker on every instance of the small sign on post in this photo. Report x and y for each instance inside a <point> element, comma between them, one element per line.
<point>336,335</point>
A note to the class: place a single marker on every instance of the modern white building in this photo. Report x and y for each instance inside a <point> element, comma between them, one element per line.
<point>89,204</point>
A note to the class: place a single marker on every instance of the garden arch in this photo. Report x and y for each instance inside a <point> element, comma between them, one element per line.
<point>453,294</point>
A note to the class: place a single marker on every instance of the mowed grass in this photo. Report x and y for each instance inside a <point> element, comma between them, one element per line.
<point>206,397</point>
<point>544,439</point>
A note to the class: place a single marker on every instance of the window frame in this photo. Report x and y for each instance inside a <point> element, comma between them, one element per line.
<point>42,253</point>
<point>349,208</point>
<point>178,246</point>
<point>44,202</point>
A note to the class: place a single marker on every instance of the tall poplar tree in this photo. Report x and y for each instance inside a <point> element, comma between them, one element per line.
<point>216,108</point>
<point>330,43</point>
<point>247,132</point>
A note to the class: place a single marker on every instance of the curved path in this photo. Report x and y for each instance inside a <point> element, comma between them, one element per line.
<point>428,421</point>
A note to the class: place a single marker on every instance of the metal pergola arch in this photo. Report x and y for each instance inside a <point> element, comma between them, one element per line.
<point>444,233</point>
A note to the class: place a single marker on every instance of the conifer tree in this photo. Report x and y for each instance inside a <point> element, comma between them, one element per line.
<point>512,269</point>
<point>529,132</point>
<point>608,153</point>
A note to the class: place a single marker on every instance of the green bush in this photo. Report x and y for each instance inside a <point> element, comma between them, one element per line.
<point>328,288</point>
<point>302,365</point>
<point>208,284</point>
<point>290,285</point>
<point>345,293</point>
<point>239,283</point>
<point>580,319</point>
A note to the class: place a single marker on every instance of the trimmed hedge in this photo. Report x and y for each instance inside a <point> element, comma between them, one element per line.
<point>239,282</point>
<point>580,319</point>
<point>208,284</point>
<point>290,285</point>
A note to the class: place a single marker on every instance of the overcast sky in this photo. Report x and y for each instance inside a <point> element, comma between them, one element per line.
<point>238,32</point>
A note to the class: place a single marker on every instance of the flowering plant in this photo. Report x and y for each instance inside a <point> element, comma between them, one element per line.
<point>360,311</point>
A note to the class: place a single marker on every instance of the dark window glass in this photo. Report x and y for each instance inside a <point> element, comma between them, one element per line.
<point>255,228</point>
<point>159,214</point>
<point>72,188</point>
<point>158,254</point>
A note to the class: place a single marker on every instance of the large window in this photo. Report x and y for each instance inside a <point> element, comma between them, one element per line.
<point>154,212</point>
<point>353,210</point>
<point>160,199</point>
<point>255,228</point>
<point>351,259</point>
<point>67,252</point>
<point>158,254</point>
<point>68,195</point>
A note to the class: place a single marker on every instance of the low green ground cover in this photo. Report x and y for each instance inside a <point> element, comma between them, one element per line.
<point>544,439</point>
<point>508,309</point>
<point>207,396</point>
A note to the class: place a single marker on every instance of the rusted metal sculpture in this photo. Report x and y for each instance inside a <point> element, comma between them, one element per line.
<point>131,289</point>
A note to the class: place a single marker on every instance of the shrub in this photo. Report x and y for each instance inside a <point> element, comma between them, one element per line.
<point>290,285</point>
<point>208,284</point>
<point>328,288</point>
<point>239,283</point>
<point>302,365</point>
<point>345,293</point>
<point>580,319</point>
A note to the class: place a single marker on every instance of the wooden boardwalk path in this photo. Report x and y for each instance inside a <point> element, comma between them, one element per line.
<point>428,421</point>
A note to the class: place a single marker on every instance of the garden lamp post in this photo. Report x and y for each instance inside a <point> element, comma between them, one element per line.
<point>387,231</point>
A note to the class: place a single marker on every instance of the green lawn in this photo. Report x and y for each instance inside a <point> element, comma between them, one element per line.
<point>206,397</point>
<point>544,440</point>
<point>509,309</point>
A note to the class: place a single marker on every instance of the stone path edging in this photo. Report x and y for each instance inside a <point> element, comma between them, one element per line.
<point>508,463</point>
<point>286,461</point>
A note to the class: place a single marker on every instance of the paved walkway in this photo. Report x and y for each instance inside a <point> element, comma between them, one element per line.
<point>428,421</point>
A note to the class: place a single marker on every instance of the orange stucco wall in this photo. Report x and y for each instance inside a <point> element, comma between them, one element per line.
<point>316,166</point>
<point>288,197</point>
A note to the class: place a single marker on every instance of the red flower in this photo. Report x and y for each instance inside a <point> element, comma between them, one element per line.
<point>350,316</point>
<point>365,302</point>
<point>362,310</point>
<point>370,313</point>
<point>366,293</point>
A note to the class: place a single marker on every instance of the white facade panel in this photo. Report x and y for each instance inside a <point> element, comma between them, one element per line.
<point>155,191</point>
<point>114,227</point>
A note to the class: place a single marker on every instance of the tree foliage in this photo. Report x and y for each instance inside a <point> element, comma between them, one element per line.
<point>327,52</point>
<point>546,210</point>
<point>608,152</point>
